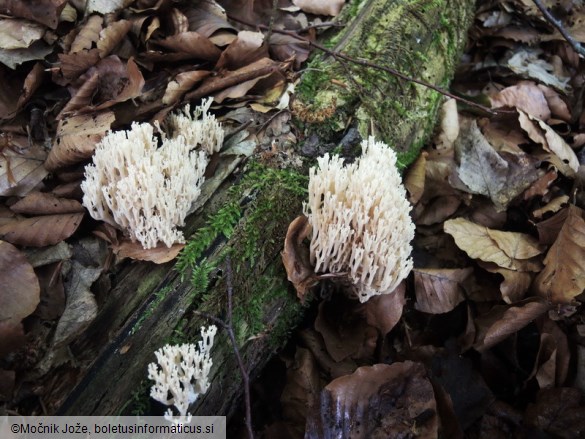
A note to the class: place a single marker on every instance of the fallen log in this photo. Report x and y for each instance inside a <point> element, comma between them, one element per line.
<point>246,217</point>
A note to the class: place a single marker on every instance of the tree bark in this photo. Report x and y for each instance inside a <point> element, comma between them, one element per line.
<point>247,216</point>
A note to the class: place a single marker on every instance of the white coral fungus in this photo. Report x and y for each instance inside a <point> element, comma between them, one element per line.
<point>360,220</point>
<point>183,374</point>
<point>146,190</point>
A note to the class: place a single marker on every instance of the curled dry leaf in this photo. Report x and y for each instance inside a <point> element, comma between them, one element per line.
<point>563,277</point>
<point>76,138</point>
<point>552,361</point>
<point>88,35</point>
<point>506,249</point>
<point>439,290</point>
<point>541,133</point>
<point>387,399</point>
<point>295,257</point>
<point>415,178</point>
<point>43,203</point>
<point>502,321</point>
<point>111,36</point>
<point>449,130</point>
<point>41,230</point>
<point>183,83</point>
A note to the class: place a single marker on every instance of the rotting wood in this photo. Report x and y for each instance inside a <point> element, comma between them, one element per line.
<point>420,38</point>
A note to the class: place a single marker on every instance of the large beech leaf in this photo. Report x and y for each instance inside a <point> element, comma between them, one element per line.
<point>40,231</point>
<point>506,249</point>
<point>563,277</point>
<point>44,203</point>
<point>377,401</point>
<point>439,290</point>
<point>76,138</point>
<point>502,321</point>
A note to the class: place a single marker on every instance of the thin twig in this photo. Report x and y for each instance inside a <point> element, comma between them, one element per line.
<point>271,22</point>
<point>559,26</point>
<point>365,63</point>
<point>227,325</point>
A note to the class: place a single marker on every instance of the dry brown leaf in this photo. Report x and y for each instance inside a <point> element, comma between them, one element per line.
<point>449,125</point>
<point>345,333</point>
<point>285,47</point>
<point>111,36</point>
<point>41,230</point>
<point>541,133</point>
<point>52,301</point>
<point>301,392</point>
<point>540,187</point>
<point>134,250</point>
<point>206,22</point>
<point>43,203</point>
<point>19,286</point>
<point>320,7</point>
<point>506,249</point>
<point>106,6</point>
<point>501,177</point>
<point>385,310</point>
<point>387,400</point>
<point>437,210</point>
<point>46,12</point>
<point>19,34</point>
<point>181,84</point>
<point>415,178</point>
<point>525,96</point>
<point>193,44</point>
<point>75,64</point>
<point>558,412</point>
<point>552,361</point>
<point>88,35</point>
<point>563,277</point>
<point>262,67</point>
<point>549,229</point>
<point>81,307</point>
<point>552,206</point>
<point>21,172</point>
<point>502,321</point>
<point>245,49</point>
<point>557,105</point>
<point>515,283</point>
<point>76,138</point>
<point>439,290</point>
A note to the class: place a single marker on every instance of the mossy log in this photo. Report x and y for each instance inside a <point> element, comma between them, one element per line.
<point>247,216</point>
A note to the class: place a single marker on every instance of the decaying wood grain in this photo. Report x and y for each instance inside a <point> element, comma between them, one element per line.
<point>420,38</point>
